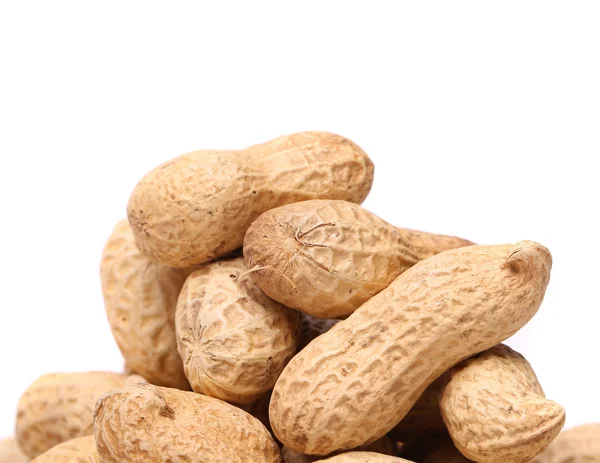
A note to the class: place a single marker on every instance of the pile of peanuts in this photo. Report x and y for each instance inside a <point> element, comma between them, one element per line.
<point>264,316</point>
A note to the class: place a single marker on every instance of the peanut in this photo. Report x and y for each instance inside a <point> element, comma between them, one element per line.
<point>234,340</point>
<point>10,452</point>
<point>151,424</point>
<point>327,257</point>
<point>140,299</point>
<point>495,409</point>
<point>364,457</point>
<point>354,383</point>
<point>58,407</point>
<point>197,207</point>
<point>79,450</point>
<point>580,444</point>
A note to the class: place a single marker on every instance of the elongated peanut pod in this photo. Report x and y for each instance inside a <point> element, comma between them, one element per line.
<point>79,450</point>
<point>354,383</point>
<point>327,257</point>
<point>58,407</point>
<point>140,299</point>
<point>198,206</point>
<point>10,452</point>
<point>580,444</point>
<point>495,409</point>
<point>151,424</point>
<point>364,457</point>
<point>234,340</point>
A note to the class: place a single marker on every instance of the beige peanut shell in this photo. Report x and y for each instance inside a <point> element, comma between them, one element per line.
<point>364,457</point>
<point>140,299</point>
<point>580,444</point>
<point>10,452</point>
<point>79,450</point>
<point>384,445</point>
<point>197,207</point>
<point>495,409</point>
<point>327,257</point>
<point>354,383</point>
<point>234,341</point>
<point>58,407</point>
<point>151,424</point>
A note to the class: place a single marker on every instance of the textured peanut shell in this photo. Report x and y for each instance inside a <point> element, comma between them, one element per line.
<point>197,207</point>
<point>580,444</point>
<point>354,383</point>
<point>495,409</point>
<point>327,257</point>
<point>10,452</point>
<point>140,299</point>
<point>58,407</point>
<point>234,341</point>
<point>311,327</point>
<point>151,424</point>
<point>384,445</point>
<point>364,457</point>
<point>79,450</point>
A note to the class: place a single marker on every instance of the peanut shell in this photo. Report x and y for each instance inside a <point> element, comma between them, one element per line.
<point>234,340</point>
<point>495,409</point>
<point>198,206</point>
<point>327,257</point>
<point>364,457</point>
<point>79,450</point>
<point>140,299</point>
<point>580,444</point>
<point>351,385</point>
<point>151,424</point>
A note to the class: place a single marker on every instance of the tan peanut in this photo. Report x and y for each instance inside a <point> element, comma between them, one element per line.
<point>580,444</point>
<point>495,409</point>
<point>58,407</point>
<point>234,340</point>
<point>327,257</point>
<point>364,457</point>
<point>354,383</point>
<point>151,424</point>
<point>384,445</point>
<point>10,452</point>
<point>140,299</point>
<point>79,450</point>
<point>197,207</point>
<point>311,327</point>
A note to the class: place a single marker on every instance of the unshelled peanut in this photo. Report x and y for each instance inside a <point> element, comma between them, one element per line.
<point>580,444</point>
<point>327,257</point>
<point>354,383</point>
<point>140,299</point>
<point>198,206</point>
<point>495,409</point>
<point>58,407</point>
<point>364,457</point>
<point>234,340</point>
<point>79,450</point>
<point>151,424</point>
<point>10,452</point>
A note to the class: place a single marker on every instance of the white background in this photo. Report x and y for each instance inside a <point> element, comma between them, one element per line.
<point>482,118</point>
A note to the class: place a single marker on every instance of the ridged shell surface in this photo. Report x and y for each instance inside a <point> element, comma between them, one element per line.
<point>151,424</point>
<point>580,444</point>
<point>198,206</point>
<point>234,341</point>
<point>140,299</point>
<point>495,409</point>
<point>354,383</point>
<point>327,257</point>
<point>58,407</point>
